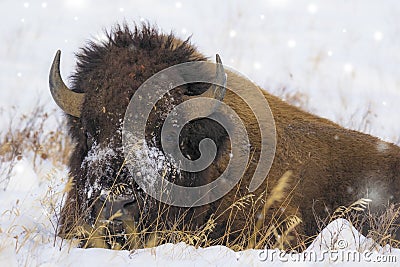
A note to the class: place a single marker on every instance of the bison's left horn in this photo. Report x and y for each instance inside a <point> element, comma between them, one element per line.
<point>70,102</point>
<point>218,89</point>
<point>221,79</point>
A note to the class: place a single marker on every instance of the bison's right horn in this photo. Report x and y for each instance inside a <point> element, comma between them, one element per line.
<point>70,102</point>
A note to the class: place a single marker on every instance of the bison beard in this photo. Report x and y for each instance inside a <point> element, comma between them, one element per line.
<point>331,166</point>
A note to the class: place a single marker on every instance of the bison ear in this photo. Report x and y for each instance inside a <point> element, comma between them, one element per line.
<point>70,102</point>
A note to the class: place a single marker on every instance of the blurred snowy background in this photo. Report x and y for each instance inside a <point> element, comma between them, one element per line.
<point>342,56</point>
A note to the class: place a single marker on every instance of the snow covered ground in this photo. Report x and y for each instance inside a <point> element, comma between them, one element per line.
<point>343,55</point>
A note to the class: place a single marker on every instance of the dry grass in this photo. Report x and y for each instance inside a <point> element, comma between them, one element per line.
<point>27,137</point>
<point>39,139</point>
<point>381,226</point>
<point>277,233</point>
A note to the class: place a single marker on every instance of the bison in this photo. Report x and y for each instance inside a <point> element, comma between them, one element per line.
<point>318,165</point>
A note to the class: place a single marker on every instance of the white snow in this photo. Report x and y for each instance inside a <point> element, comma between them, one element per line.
<point>344,55</point>
<point>23,168</point>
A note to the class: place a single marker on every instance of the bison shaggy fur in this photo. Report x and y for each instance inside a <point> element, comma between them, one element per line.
<point>330,166</point>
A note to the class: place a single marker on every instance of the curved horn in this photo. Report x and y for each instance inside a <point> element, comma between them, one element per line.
<point>215,91</point>
<point>70,102</point>
<point>219,92</point>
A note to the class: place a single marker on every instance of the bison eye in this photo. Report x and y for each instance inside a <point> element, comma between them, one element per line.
<point>89,140</point>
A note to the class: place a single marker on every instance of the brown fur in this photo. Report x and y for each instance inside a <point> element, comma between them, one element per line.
<point>331,166</point>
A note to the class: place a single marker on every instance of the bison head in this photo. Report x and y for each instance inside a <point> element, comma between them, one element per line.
<point>107,76</point>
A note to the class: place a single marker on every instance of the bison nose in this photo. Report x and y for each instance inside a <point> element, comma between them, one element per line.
<point>130,210</point>
<point>119,209</point>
